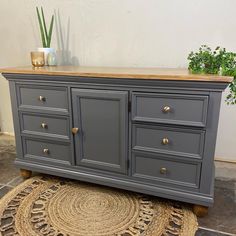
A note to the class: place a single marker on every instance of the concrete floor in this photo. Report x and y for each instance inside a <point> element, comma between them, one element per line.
<point>221,220</point>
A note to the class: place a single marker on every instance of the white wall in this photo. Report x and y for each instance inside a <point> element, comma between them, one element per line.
<point>142,33</point>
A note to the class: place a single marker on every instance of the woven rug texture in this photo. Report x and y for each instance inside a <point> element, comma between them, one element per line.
<point>50,206</point>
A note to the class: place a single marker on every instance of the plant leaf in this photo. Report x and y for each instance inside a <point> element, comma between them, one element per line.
<point>41,28</point>
<point>219,61</point>
<point>50,31</point>
<point>45,27</point>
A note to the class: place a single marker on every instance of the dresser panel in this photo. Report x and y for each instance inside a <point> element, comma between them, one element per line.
<point>181,109</point>
<point>153,169</point>
<point>47,151</point>
<point>43,97</point>
<point>163,139</point>
<point>102,121</point>
<point>46,125</point>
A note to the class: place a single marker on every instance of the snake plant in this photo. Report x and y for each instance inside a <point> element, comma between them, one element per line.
<point>46,35</point>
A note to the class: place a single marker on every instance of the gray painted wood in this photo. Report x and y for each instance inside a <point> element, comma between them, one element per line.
<point>16,119</point>
<point>48,125</point>
<point>57,152</point>
<point>101,117</point>
<point>188,143</point>
<point>124,182</point>
<point>184,109</point>
<point>210,142</point>
<point>148,167</point>
<point>55,98</point>
<point>191,176</point>
<point>69,96</point>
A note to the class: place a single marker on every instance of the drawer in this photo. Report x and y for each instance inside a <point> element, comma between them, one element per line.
<point>45,125</point>
<point>153,169</point>
<point>170,108</point>
<point>43,97</point>
<point>167,140</point>
<point>47,151</point>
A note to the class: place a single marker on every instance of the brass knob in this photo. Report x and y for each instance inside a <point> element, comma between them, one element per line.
<point>46,150</point>
<point>42,98</point>
<point>75,130</point>
<point>165,141</point>
<point>163,170</point>
<point>166,109</point>
<point>44,125</point>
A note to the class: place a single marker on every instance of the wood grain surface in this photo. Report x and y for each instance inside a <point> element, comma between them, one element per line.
<point>119,72</point>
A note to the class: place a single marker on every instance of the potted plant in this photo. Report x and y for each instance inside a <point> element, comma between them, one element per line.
<point>46,35</point>
<point>218,61</point>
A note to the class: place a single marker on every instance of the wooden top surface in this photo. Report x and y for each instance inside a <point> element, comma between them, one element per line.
<point>118,72</point>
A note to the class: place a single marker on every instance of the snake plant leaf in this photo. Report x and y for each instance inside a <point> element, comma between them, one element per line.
<point>45,27</point>
<point>41,28</point>
<point>50,31</point>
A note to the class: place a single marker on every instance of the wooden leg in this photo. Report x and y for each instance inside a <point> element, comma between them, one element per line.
<point>200,211</point>
<point>25,173</point>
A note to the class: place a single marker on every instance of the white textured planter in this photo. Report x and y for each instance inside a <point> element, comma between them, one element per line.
<point>46,52</point>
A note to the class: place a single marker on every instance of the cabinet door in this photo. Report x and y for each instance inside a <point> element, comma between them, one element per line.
<point>102,119</point>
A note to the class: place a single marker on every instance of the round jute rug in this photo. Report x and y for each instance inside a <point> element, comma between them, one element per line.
<point>56,207</point>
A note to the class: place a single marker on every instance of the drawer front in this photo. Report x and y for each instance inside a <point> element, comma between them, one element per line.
<point>45,125</point>
<point>170,108</point>
<point>153,169</point>
<point>43,97</point>
<point>173,141</point>
<point>46,151</point>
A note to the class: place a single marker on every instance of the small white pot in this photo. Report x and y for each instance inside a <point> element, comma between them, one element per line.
<point>46,52</point>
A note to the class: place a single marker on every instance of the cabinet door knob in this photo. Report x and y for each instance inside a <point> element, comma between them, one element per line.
<point>165,141</point>
<point>166,109</point>
<point>163,170</point>
<point>44,125</point>
<point>46,150</point>
<point>75,130</point>
<point>42,98</point>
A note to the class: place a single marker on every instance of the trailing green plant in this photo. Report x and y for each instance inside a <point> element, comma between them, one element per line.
<point>46,35</point>
<point>218,61</point>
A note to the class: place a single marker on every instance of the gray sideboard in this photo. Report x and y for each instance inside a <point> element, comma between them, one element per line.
<point>146,130</point>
